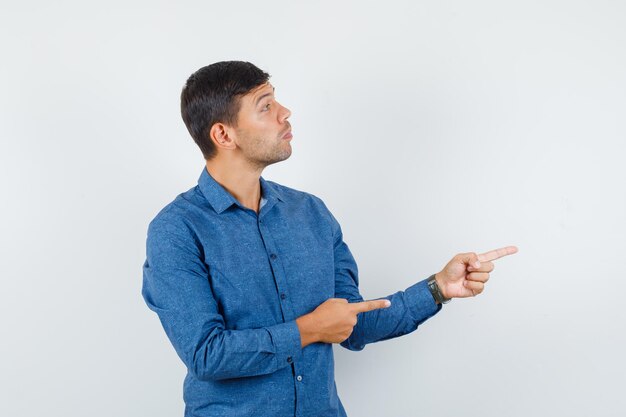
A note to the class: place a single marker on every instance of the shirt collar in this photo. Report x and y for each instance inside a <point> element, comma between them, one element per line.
<point>220,199</point>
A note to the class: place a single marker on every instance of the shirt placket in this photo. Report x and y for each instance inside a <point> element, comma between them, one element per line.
<point>285,298</point>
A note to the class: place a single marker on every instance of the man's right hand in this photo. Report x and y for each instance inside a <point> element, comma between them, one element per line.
<point>334,319</point>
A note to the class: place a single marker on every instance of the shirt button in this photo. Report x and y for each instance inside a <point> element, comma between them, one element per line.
<point>299,378</point>
<point>273,256</point>
<point>283,296</point>
<point>289,359</point>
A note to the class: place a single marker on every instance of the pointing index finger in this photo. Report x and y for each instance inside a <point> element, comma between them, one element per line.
<point>497,253</point>
<point>364,306</point>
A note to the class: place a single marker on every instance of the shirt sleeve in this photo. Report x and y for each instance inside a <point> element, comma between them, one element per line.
<point>176,286</point>
<point>409,308</point>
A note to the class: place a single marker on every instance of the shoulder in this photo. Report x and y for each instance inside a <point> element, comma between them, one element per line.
<point>306,204</point>
<point>179,216</point>
<point>300,198</point>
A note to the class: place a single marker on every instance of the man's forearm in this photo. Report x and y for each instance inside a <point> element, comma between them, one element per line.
<point>409,309</point>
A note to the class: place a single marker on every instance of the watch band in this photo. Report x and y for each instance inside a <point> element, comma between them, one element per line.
<point>436,291</point>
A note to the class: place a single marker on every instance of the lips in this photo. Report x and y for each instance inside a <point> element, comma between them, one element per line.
<point>288,135</point>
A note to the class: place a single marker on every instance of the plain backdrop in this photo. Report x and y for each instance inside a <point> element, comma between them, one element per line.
<point>429,128</point>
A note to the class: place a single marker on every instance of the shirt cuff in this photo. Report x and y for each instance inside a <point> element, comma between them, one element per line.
<point>286,339</point>
<point>421,303</point>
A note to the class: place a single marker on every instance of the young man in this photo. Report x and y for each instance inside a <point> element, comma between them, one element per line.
<point>253,281</point>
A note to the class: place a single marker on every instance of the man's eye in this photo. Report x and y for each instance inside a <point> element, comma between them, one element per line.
<point>266,107</point>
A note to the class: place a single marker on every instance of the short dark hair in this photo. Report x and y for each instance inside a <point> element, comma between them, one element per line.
<point>211,95</point>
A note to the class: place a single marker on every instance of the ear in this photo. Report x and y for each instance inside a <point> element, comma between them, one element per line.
<point>222,136</point>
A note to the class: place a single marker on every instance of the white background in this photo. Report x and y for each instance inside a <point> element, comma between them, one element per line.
<point>428,127</point>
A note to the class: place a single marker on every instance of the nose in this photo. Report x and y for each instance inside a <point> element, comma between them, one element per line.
<point>284,114</point>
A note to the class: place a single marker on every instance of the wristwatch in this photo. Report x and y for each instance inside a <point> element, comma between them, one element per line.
<point>436,291</point>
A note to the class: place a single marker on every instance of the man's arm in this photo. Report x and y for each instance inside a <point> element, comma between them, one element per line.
<point>176,287</point>
<point>409,308</point>
<point>464,276</point>
<point>363,322</point>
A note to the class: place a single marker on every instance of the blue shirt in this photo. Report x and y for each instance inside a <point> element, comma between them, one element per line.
<point>228,284</point>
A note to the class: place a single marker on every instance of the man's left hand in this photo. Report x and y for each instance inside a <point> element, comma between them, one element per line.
<point>466,274</point>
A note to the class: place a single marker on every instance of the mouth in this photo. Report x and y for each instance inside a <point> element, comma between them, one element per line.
<point>287,135</point>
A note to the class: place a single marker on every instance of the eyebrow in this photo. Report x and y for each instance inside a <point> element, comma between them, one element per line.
<point>264,95</point>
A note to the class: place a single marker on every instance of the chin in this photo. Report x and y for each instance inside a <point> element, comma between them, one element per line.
<point>278,158</point>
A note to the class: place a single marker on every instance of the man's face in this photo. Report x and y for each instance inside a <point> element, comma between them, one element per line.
<point>263,132</point>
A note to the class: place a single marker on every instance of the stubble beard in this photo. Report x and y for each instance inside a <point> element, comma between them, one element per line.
<point>261,156</point>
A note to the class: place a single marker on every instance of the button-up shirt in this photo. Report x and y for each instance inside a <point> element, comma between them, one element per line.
<point>228,284</point>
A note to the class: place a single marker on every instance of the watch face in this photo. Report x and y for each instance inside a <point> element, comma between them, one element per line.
<point>432,286</point>
<point>435,292</point>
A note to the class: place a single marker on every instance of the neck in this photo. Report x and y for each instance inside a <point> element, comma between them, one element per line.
<point>239,179</point>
